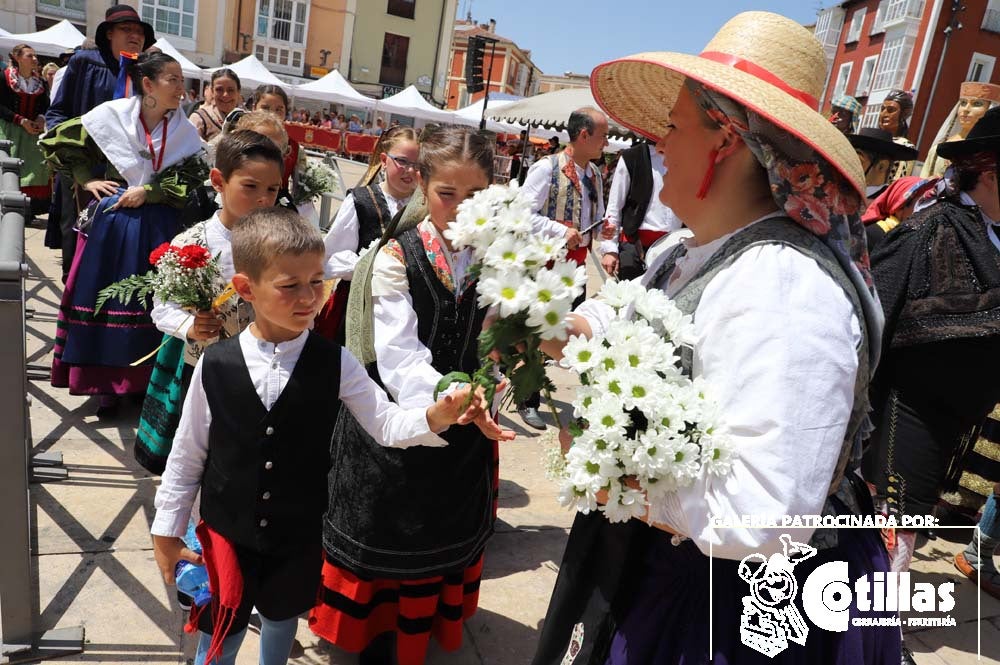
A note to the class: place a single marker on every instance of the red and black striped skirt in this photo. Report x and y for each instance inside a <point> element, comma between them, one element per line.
<point>352,611</point>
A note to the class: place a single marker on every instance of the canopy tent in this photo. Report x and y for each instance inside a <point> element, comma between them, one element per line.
<point>3,33</point>
<point>551,110</point>
<point>411,103</point>
<point>252,73</point>
<point>51,41</point>
<point>472,114</point>
<point>333,88</point>
<point>190,69</point>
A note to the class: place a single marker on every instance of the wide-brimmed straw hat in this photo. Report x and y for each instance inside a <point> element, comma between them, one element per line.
<point>768,63</point>
<point>879,142</point>
<point>983,137</point>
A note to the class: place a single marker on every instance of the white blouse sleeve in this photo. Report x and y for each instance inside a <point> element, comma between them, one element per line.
<point>404,363</point>
<point>536,187</point>
<point>170,319</point>
<point>186,463</point>
<point>777,345</point>
<point>387,423</point>
<point>342,241</point>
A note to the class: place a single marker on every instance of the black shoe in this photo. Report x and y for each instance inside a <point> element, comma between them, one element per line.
<point>531,417</point>
<point>907,656</point>
<point>108,410</point>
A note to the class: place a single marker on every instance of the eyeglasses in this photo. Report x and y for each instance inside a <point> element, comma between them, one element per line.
<point>402,162</point>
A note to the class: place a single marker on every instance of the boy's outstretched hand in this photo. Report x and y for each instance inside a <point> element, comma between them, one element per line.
<point>168,551</point>
<point>451,409</point>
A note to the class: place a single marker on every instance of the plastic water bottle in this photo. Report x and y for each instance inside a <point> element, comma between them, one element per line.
<point>192,579</point>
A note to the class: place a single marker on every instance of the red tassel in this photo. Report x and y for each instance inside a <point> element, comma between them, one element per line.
<point>706,182</point>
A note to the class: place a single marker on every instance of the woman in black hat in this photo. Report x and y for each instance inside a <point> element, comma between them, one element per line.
<point>938,277</point>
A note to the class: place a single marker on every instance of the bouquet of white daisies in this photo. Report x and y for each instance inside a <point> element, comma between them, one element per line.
<point>644,428</point>
<point>525,278</point>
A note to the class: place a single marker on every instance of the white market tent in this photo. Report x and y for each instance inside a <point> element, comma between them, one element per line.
<point>3,33</point>
<point>190,69</point>
<point>551,111</point>
<point>411,103</point>
<point>252,73</point>
<point>333,87</point>
<point>51,41</point>
<point>471,115</point>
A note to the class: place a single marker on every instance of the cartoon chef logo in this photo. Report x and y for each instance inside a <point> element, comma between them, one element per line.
<point>770,618</point>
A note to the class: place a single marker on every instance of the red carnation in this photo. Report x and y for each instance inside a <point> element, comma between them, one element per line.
<point>193,256</point>
<point>157,254</point>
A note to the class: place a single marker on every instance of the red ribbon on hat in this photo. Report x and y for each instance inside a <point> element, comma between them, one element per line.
<point>763,74</point>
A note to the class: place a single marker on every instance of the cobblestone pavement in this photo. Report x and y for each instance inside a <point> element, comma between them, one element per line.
<point>95,565</point>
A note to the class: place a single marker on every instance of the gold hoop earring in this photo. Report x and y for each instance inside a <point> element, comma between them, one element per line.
<point>148,102</point>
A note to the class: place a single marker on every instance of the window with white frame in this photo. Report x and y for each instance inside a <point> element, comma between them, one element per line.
<point>282,20</point>
<point>900,10</point>
<point>878,24</point>
<point>895,59</point>
<point>981,68</point>
<point>843,74</point>
<point>870,116</point>
<point>171,17</point>
<point>991,21</point>
<point>865,77</point>
<point>279,56</point>
<point>69,8</point>
<point>857,20</point>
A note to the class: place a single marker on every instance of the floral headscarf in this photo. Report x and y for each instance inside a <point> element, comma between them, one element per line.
<point>810,191</point>
<point>896,196</point>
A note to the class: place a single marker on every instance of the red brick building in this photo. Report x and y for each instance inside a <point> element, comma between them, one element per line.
<point>874,46</point>
<point>512,73</point>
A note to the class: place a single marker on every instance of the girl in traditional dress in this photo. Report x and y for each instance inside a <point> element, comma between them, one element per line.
<point>149,157</point>
<point>405,529</point>
<point>776,278</point>
<point>210,116</point>
<point>383,191</point>
<point>274,100</point>
<point>24,98</point>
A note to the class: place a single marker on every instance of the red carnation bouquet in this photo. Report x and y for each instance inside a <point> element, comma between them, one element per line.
<point>187,275</point>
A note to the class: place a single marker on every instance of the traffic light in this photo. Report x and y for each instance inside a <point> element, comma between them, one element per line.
<point>474,64</point>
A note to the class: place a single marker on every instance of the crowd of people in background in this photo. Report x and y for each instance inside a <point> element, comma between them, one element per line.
<point>777,227</point>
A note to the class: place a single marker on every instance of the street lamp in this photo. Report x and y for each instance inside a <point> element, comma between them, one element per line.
<point>245,36</point>
<point>324,53</point>
<point>953,24</point>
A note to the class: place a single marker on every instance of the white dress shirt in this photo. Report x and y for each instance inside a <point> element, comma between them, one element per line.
<point>777,344</point>
<point>270,366</point>
<point>658,216</point>
<point>342,239</point>
<point>404,363</point>
<point>536,186</point>
<point>168,317</point>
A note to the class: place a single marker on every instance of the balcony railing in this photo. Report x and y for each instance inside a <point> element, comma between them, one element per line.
<point>905,10</point>
<point>991,21</point>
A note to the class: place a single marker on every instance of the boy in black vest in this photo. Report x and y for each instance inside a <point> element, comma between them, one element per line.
<point>254,439</point>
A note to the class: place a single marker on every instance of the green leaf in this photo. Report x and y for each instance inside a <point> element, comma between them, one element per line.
<point>450,378</point>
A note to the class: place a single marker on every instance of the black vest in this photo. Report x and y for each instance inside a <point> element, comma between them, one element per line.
<point>373,214</point>
<point>640,189</point>
<point>419,511</point>
<point>264,485</point>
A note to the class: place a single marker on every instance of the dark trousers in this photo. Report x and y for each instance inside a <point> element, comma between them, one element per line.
<point>67,222</point>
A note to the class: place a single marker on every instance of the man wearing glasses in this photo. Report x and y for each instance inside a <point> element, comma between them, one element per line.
<point>569,200</point>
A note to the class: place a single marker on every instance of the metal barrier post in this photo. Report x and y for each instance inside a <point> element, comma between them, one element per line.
<point>18,605</point>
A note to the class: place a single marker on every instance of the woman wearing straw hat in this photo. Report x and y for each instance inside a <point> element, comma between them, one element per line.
<point>776,277</point>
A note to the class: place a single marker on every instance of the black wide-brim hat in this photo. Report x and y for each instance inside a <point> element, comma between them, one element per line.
<point>984,137</point>
<point>879,142</point>
<point>123,14</point>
